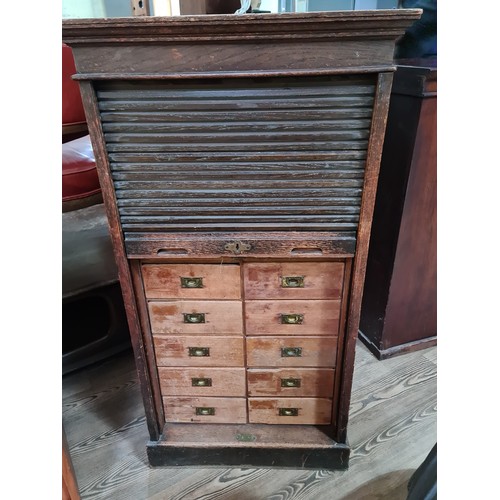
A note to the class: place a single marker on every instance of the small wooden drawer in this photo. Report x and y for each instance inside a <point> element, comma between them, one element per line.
<point>293,280</point>
<point>309,411</point>
<point>291,382</point>
<point>202,381</point>
<point>196,317</point>
<point>192,281</point>
<point>199,351</point>
<point>292,317</point>
<point>291,351</point>
<point>205,410</point>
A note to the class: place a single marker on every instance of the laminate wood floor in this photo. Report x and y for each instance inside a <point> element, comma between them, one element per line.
<point>392,428</point>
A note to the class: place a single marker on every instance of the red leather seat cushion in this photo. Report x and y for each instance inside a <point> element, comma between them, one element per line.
<point>72,107</point>
<point>78,170</point>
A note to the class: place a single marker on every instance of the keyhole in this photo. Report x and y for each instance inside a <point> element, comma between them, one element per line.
<point>140,4</point>
<point>237,247</point>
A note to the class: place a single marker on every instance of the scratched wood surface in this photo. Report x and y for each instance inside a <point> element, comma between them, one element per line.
<point>392,428</point>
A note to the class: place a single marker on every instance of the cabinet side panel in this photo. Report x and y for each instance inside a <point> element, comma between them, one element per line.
<point>413,287</point>
<point>102,164</point>
<point>379,120</point>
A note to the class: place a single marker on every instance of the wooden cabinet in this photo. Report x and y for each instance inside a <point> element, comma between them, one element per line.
<point>239,157</point>
<point>399,309</point>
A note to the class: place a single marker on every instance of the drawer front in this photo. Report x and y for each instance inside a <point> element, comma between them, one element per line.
<point>192,281</point>
<point>205,410</point>
<point>292,317</point>
<point>196,317</point>
<point>309,411</point>
<point>202,381</point>
<point>293,280</point>
<point>291,382</point>
<point>199,351</point>
<point>291,351</point>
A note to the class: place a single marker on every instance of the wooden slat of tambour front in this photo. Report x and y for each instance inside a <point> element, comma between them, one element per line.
<point>113,124</point>
<point>234,156</point>
<point>318,317</point>
<point>220,317</point>
<point>315,352</point>
<point>227,410</point>
<point>163,281</point>
<point>227,382</point>
<point>222,351</point>
<point>310,411</point>
<point>123,119</point>
<point>147,137</point>
<point>321,280</point>
<point>313,382</point>
<point>349,86</point>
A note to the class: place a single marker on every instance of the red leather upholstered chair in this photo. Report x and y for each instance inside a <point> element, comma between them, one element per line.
<point>94,322</point>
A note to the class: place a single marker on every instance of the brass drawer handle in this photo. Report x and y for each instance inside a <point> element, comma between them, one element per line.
<point>237,247</point>
<point>288,412</point>
<point>203,410</point>
<point>292,319</point>
<point>198,352</point>
<point>291,352</point>
<point>292,282</point>
<point>290,382</point>
<point>191,282</point>
<point>194,317</point>
<point>201,382</point>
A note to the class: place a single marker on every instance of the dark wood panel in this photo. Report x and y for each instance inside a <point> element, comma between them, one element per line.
<point>268,244</point>
<point>412,307</point>
<point>399,306</point>
<point>367,25</point>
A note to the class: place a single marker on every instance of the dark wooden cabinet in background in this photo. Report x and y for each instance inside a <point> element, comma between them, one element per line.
<point>238,157</point>
<point>399,307</point>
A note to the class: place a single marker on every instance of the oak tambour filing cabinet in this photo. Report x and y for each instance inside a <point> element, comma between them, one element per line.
<point>238,157</point>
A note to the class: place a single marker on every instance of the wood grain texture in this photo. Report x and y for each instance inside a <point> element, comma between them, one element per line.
<point>159,185</point>
<point>392,428</point>
<point>363,238</point>
<point>316,352</point>
<point>368,25</point>
<point>167,317</point>
<point>309,410</point>
<point>218,282</point>
<point>313,382</point>
<point>227,382</point>
<point>319,317</point>
<point>321,280</point>
<point>227,410</point>
<point>148,340</point>
<point>223,351</point>
<point>272,245</point>
<point>124,275</point>
<point>399,302</point>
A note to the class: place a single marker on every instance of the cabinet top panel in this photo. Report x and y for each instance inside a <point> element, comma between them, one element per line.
<point>317,25</point>
<point>169,47</point>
